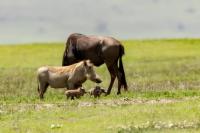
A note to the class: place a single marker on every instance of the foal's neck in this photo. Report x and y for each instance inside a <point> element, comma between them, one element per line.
<point>80,73</point>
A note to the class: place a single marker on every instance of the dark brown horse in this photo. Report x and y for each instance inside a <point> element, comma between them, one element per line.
<point>99,50</point>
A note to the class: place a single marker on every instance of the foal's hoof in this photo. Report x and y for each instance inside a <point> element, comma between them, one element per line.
<point>118,93</point>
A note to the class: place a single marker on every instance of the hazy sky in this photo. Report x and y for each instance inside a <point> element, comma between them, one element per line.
<point>54,20</point>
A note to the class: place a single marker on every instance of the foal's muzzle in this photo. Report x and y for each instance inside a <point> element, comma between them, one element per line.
<point>98,80</point>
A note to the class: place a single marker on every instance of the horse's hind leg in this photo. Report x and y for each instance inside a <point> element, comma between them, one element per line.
<point>112,76</point>
<point>119,75</point>
<point>42,89</point>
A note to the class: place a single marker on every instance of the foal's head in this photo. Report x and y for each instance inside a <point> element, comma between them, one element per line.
<point>90,73</point>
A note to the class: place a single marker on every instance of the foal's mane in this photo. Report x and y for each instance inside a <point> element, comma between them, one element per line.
<point>78,66</point>
<point>71,68</point>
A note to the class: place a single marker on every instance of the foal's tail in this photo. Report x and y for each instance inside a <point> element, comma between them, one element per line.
<point>121,68</point>
<point>38,88</point>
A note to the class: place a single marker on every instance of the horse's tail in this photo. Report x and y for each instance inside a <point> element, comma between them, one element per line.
<point>121,68</point>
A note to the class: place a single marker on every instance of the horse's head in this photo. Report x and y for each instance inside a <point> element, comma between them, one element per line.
<point>68,59</point>
<point>91,74</point>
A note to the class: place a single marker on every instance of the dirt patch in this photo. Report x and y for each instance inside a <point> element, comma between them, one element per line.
<point>157,125</point>
<point>10,108</point>
<point>129,101</point>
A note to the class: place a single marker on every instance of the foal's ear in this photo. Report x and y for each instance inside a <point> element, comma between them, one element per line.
<point>85,63</point>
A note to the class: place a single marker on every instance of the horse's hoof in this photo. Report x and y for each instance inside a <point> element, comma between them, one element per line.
<point>125,89</point>
<point>41,97</point>
<point>106,94</point>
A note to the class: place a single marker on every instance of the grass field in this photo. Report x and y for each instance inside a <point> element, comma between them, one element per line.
<point>163,78</point>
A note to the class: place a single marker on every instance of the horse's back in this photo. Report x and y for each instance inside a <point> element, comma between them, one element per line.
<point>98,49</point>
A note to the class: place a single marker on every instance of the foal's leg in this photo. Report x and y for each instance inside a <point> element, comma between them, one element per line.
<point>72,97</point>
<point>112,76</point>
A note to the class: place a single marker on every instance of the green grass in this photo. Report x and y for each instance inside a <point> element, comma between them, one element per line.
<point>155,69</point>
<point>102,118</point>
